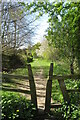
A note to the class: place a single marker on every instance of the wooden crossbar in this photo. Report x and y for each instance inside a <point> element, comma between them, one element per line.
<point>64,77</point>
<point>15,76</point>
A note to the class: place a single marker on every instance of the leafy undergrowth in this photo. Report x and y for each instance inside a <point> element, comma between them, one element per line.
<point>68,111</point>
<point>15,107</point>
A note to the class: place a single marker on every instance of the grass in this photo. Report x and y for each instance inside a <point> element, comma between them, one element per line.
<point>36,65</point>
<point>41,64</point>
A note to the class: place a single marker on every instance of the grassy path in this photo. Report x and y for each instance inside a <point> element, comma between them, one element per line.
<point>40,83</point>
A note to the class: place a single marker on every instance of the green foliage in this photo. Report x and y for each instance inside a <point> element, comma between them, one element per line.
<point>70,111</point>
<point>29,58</point>
<point>56,92</point>
<point>34,48</point>
<point>64,28</point>
<point>48,52</point>
<point>15,107</point>
<point>12,61</point>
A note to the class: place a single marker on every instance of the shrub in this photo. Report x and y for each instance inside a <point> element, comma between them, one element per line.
<point>15,107</point>
<point>12,61</point>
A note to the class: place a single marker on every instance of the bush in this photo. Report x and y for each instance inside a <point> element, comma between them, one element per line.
<point>15,107</point>
<point>12,61</point>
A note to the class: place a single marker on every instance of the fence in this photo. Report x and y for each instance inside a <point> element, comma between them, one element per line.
<point>31,83</point>
<point>48,86</point>
<point>62,87</point>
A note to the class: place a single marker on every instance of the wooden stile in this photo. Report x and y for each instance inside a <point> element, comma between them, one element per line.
<point>49,89</point>
<point>64,91</point>
<point>32,86</point>
<point>60,79</point>
<point>65,77</point>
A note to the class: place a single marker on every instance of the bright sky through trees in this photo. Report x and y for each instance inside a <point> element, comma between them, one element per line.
<point>42,25</point>
<point>41,31</point>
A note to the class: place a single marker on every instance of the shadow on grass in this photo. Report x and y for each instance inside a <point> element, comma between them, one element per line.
<point>16,90</point>
<point>7,80</point>
<point>14,81</point>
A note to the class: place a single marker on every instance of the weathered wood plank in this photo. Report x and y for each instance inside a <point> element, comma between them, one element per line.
<point>64,77</point>
<point>56,105</point>
<point>15,76</point>
<point>63,89</point>
<point>54,76</point>
<point>49,89</point>
<point>32,86</point>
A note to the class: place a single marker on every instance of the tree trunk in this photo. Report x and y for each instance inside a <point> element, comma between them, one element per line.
<point>78,64</point>
<point>72,68</point>
<point>15,35</point>
<point>72,62</point>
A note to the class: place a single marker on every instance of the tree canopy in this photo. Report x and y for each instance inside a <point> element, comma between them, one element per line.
<point>64,26</point>
<point>16,26</point>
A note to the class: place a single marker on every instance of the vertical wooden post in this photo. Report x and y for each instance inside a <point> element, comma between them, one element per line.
<point>32,86</point>
<point>64,91</point>
<point>49,89</point>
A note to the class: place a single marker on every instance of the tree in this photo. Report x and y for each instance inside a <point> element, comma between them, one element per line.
<point>64,31</point>
<point>48,51</point>
<point>16,26</point>
<point>34,49</point>
<point>64,27</point>
<point>16,31</point>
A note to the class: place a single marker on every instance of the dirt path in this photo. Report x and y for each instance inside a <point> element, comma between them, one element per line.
<point>40,83</point>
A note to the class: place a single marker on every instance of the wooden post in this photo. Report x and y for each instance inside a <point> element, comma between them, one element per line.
<point>64,91</point>
<point>32,86</point>
<point>49,89</point>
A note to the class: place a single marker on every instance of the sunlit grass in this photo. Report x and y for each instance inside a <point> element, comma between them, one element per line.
<point>40,63</point>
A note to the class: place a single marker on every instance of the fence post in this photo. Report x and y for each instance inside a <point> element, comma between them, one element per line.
<point>64,91</point>
<point>32,86</point>
<point>49,89</point>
